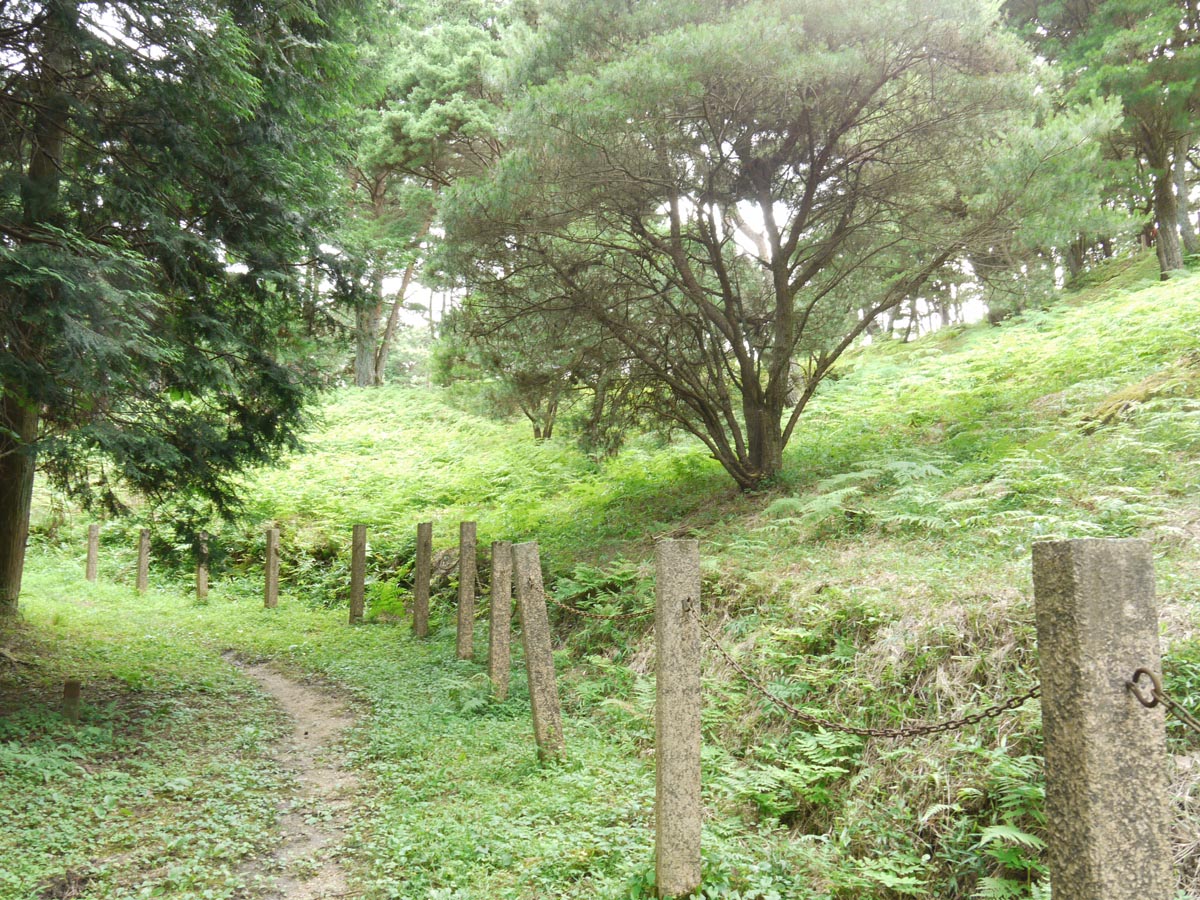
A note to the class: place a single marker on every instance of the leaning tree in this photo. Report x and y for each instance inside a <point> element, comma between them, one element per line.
<point>163,173</point>
<point>736,198</point>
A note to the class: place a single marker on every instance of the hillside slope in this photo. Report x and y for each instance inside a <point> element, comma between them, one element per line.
<point>883,579</point>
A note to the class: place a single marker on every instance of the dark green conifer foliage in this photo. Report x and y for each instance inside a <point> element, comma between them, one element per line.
<point>1147,54</point>
<point>147,148</point>
<point>733,193</point>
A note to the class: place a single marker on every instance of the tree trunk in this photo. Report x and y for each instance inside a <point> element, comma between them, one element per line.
<point>16,492</point>
<point>366,333</point>
<point>764,444</point>
<point>550,418</point>
<point>366,321</point>
<point>19,413</point>
<point>1166,216</point>
<point>1187,230</point>
<point>389,333</point>
<point>1074,258</point>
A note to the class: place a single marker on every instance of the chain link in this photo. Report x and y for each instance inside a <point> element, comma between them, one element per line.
<point>1159,695</point>
<point>991,712</point>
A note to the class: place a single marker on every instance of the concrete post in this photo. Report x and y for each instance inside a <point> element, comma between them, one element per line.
<point>677,807</point>
<point>358,573</point>
<point>1107,808</point>
<point>421,579</point>
<point>271,581</point>
<point>70,705</point>
<point>466,590</point>
<point>202,568</point>
<point>500,619</point>
<point>539,656</point>
<point>93,551</point>
<point>143,563</point>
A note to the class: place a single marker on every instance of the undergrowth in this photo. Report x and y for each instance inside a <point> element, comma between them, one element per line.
<point>883,578</point>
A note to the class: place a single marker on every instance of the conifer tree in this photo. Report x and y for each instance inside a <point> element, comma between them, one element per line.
<point>165,172</point>
<point>1146,53</point>
<point>734,193</point>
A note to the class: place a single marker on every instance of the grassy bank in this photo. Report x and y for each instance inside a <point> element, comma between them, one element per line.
<point>883,578</point>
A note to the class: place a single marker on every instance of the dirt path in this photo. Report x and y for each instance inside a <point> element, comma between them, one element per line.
<point>305,866</point>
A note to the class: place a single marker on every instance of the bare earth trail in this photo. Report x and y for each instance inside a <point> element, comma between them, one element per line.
<point>305,865</point>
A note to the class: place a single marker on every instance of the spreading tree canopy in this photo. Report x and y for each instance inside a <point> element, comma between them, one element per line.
<point>735,198</point>
<point>1145,53</point>
<point>164,168</point>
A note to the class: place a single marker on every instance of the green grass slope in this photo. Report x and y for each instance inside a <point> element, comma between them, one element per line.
<point>883,579</point>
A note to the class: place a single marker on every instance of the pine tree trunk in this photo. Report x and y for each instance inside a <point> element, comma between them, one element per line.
<point>367,319</point>
<point>764,444</point>
<point>1074,258</point>
<point>16,492</point>
<point>389,333</point>
<point>1166,215</point>
<point>1187,231</point>
<point>366,323</point>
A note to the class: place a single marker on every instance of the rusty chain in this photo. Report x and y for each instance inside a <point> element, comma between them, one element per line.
<point>991,712</point>
<point>1159,695</point>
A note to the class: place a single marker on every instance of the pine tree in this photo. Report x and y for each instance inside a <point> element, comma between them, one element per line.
<point>733,193</point>
<point>1146,53</point>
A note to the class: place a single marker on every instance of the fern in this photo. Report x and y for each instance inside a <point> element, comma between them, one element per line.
<point>1010,833</point>
<point>835,483</point>
<point>907,471</point>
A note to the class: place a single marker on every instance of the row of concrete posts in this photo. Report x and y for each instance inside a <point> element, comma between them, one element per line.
<point>1107,806</point>
<point>1108,813</point>
<point>92,565</point>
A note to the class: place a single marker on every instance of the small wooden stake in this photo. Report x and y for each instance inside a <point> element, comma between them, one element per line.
<point>202,568</point>
<point>93,551</point>
<point>466,590</point>
<point>70,703</point>
<point>500,619</point>
<point>539,655</point>
<point>143,564</point>
<point>271,583</point>
<point>358,573</point>
<point>421,581</point>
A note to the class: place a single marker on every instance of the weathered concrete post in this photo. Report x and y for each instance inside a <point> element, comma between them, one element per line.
<point>539,656</point>
<point>143,563</point>
<point>70,705</point>
<point>93,552</point>
<point>1107,808</point>
<point>466,590</point>
<point>358,573</point>
<point>421,579</point>
<point>500,619</point>
<point>677,807</point>
<point>202,568</point>
<point>271,581</point>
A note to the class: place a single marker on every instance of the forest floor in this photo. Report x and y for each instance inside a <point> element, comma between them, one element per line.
<point>883,579</point>
<point>311,818</point>
<point>228,751</point>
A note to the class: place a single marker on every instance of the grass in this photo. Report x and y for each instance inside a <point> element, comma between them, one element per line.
<point>883,578</point>
<point>458,805</point>
<point>164,784</point>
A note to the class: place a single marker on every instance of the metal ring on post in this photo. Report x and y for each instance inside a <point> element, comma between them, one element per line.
<point>1156,691</point>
